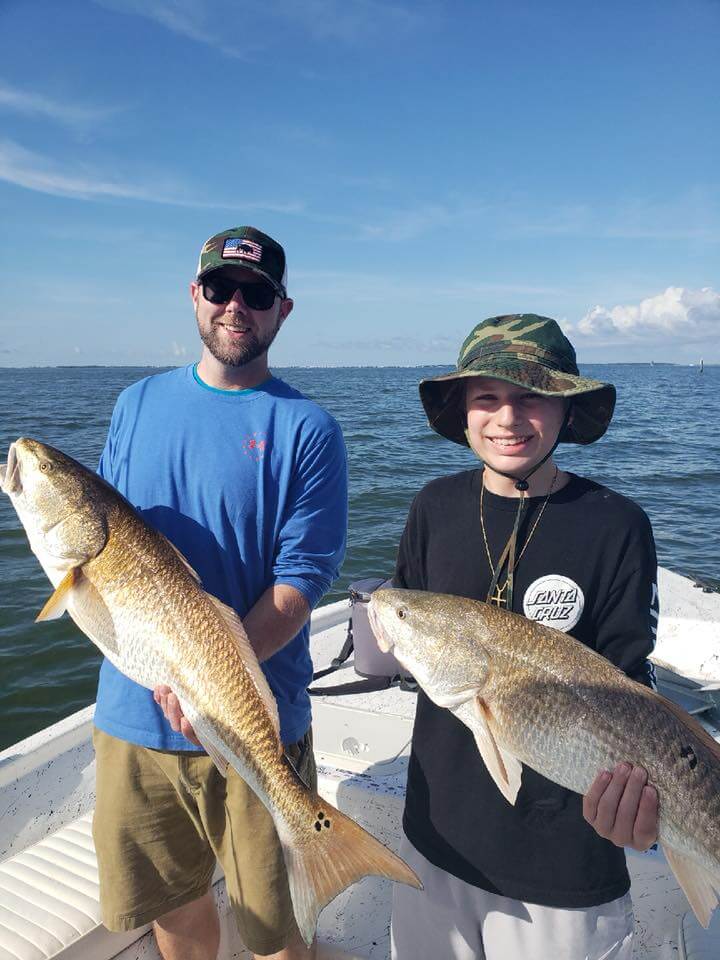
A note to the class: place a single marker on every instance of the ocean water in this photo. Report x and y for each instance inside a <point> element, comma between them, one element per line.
<point>662,450</point>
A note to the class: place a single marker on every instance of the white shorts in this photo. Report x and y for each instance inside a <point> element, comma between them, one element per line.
<point>452,920</point>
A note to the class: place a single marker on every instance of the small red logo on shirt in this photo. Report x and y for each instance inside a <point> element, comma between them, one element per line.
<point>254,446</point>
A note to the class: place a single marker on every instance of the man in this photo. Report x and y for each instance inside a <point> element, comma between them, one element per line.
<point>248,479</point>
<point>544,879</point>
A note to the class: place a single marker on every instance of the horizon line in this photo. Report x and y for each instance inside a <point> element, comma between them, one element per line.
<point>337,366</point>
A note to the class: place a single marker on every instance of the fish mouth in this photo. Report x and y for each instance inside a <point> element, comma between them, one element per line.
<point>383,641</point>
<point>10,481</point>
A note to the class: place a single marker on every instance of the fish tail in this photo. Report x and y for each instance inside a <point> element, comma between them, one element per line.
<point>333,853</point>
<point>698,884</point>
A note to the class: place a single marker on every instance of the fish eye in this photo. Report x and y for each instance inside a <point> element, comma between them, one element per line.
<point>401,613</point>
<point>44,466</point>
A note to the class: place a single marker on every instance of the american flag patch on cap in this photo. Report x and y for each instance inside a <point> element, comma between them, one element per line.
<point>242,249</point>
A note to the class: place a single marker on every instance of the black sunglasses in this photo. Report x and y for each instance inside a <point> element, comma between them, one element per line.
<point>257,294</point>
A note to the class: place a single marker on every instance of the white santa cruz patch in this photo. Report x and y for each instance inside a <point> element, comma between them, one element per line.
<point>554,601</point>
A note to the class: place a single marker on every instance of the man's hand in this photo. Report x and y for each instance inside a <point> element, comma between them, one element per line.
<point>170,706</point>
<point>622,807</point>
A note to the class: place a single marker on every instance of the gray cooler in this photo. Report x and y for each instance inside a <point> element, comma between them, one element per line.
<point>370,661</point>
<point>379,670</point>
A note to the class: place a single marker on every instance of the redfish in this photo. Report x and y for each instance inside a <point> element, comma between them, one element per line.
<point>134,595</point>
<point>533,695</point>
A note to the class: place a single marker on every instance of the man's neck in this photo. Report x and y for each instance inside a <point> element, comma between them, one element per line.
<point>224,377</point>
<point>539,483</point>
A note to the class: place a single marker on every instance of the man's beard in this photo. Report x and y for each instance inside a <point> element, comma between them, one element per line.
<point>243,353</point>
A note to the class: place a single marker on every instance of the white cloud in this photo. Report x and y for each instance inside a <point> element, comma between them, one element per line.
<point>37,105</point>
<point>188,18</point>
<point>693,214</point>
<point>675,313</point>
<point>344,21</point>
<point>25,168</point>
<point>442,349</point>
<point>400,226</point>
<point>178,349</point>
<point>362,287</point>
<point>409,223</point>
<point>348,20</point>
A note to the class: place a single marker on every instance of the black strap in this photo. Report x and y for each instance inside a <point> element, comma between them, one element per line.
<point>509,554</point>
<point>339,660</point>
<point>368,685</point>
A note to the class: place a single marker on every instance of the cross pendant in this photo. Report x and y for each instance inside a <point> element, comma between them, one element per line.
<point>498,597</point>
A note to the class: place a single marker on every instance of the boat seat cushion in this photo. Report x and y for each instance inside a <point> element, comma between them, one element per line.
<point>49,901</point>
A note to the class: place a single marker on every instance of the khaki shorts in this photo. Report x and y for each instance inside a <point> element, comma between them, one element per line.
<point>161,820</point>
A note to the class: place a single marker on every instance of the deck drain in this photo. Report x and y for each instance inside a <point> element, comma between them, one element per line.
<point>353,747</point>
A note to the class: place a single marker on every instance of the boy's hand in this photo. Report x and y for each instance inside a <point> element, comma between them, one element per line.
<point>622,807</point>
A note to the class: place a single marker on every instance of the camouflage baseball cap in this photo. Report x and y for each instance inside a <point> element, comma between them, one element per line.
<point>249,248</point>
<point>529,351</point>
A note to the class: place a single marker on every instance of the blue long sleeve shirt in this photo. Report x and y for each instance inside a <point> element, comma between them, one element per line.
<point>251,487</point>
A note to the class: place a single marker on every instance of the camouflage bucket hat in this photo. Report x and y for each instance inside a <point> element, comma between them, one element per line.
<point>249,248</point>
<point>528,351</point>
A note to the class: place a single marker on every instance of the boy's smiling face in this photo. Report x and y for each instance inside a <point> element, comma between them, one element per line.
<point>509,427</point>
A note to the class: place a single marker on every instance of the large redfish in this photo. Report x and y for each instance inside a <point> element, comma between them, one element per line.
<point>534,695</point>
<point>135,596</point>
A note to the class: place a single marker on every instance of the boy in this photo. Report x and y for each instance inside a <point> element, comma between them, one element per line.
<point>545,878</point>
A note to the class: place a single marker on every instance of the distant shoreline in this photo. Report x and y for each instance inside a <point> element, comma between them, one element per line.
<point>346,366</point>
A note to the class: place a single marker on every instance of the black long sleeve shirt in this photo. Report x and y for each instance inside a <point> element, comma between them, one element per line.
<point>590,569</point>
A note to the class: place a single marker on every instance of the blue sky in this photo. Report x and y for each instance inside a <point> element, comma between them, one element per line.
<point>425,165</point>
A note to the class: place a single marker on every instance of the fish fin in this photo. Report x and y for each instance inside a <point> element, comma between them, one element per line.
<point>234,625</point>
<point>503,767</point>
<point>217,758</point>
<point>288,760</point>
<point>697,884</point>
<point>57,602</point>
<point>76,594</point>
<point>91,614</point>
<point>333,853</point>
<point>180,557</point>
